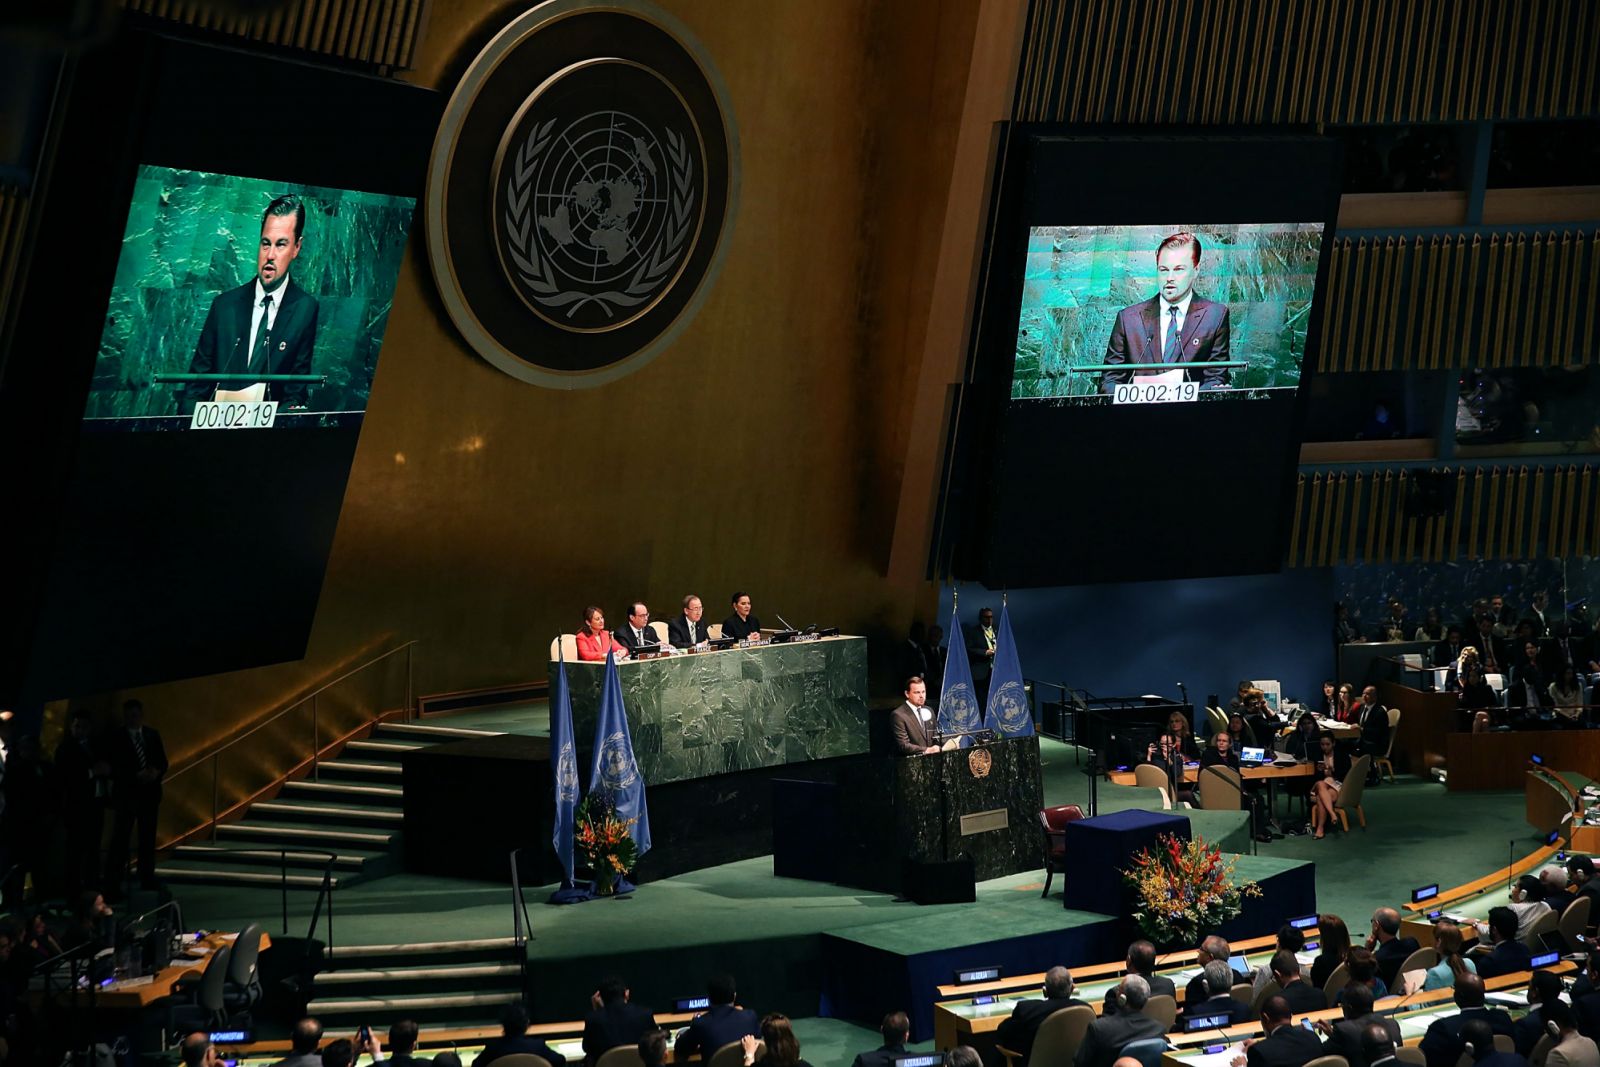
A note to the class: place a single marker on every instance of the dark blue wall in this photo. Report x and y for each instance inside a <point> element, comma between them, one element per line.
<point>1144,637</point>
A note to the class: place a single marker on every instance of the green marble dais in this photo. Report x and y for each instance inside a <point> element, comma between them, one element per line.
<point>715,712</point>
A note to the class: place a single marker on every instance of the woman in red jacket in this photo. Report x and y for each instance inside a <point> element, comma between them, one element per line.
<point>594,640</point>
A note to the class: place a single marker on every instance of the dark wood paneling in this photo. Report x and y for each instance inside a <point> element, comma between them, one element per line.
<point>1500,760</point>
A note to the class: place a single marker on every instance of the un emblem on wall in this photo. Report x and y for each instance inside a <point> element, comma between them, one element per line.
<point>578,202</point>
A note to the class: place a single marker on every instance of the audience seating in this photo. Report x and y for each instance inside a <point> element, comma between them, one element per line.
<point>1221,789</point>
<point>1271,988</point>
<point>208,1010</point>
<point>1244,993</point>
<point>1411,1055</point>
<point>1054,822</point>
<point>1149,776</point>
<point>241,990</point>
<point>1548,923</point>
<point>1057,1040</point>
<point>1148,1051</point>
<point>621,1056</point>
<point>1329,1061</point>
<point>1218,720</point>
<point>1355,783</point>
<point>1575,919</point>
<point>1383,763</point>
<point>522,1059</point>
<point>659,629</point>
<point>1540,1050</point>
<point>732,1055</point>
<point>1419,960</point>
<point>1163,1009</point>
<point>1336,982</point>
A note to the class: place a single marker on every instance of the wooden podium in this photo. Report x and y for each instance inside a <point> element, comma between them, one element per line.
<point>980,803</point>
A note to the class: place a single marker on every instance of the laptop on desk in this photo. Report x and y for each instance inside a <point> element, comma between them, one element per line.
<point>1252,757</point>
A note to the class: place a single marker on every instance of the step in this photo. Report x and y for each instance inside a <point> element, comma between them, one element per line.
<point>239,876</point>
<point>424,948</point>
<point>435,973</point>
<point>325,811</point>
<point>359,768</point>
<point>347,860</point>
<point>351,791</point>
<point>369,1007</point>
<point>432,734</point>
<point>377,747</point>
<point>308,836</point>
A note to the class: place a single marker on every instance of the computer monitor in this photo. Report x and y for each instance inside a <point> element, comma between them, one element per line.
<point>1253,755</point>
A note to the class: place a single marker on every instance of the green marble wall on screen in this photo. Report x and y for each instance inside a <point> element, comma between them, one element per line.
<point>715,712</point>
<point>191,235</point>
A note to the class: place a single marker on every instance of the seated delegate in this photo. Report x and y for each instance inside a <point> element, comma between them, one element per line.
<point>594,640</point>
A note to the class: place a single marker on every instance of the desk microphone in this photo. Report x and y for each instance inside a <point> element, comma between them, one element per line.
<point>785,622</point>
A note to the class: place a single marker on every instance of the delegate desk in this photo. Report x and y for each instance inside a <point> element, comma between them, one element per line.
<point>1270,773</point>
<point>740,709</point>
<point>958,1021</point>
<point>1413,1016</point>
<point>135,994</point>
<point>1471,900</point>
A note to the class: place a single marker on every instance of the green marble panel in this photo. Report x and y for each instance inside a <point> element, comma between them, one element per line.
<point>745,708</point>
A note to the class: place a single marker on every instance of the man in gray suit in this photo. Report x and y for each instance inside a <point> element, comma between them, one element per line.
<point>913,722</point>
<point>1102,1043</point>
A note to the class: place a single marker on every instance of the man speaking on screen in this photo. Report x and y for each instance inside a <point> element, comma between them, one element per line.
<point>266,326</point>
<point>1174,326</point>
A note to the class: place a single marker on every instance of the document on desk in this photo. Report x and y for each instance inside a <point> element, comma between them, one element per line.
<point>1213,1059</point>
<point>131,983</point>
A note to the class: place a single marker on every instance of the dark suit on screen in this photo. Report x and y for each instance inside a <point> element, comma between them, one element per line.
<point>1287,1046</point>
<point>1136,339</point>
<point>615,1024</point>
<point>1302,997</point>
<point>1392,953</point>
<point>910,735</point>
<point>879,1057</point>
<point>1508,957</point>
<point>733,626</point>
<point>224,344</point>
<point>1017,1031</point>
<point>722,1025</point>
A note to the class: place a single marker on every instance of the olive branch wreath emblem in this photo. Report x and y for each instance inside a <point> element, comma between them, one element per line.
<point>539,275</point>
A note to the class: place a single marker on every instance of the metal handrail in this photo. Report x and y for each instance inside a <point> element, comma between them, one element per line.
<point>521,925</point>
<point>324,893</point>
<point>215,755</point>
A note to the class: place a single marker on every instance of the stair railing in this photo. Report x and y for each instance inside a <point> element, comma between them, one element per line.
<point>521,926</point>
<point>318,748</point>
<point>324,893</point>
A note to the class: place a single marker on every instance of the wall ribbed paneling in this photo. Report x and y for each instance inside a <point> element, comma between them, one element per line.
<point>1344,517</point>
<point>1337,61</point>
<point>1520,299</point>
<point>383,33</point>
<point>13,223</point>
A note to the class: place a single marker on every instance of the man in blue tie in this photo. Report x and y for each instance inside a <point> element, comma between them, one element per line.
<point>1174,326</point>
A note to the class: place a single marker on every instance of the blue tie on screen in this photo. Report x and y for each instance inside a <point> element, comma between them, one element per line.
<point>1169,353</point>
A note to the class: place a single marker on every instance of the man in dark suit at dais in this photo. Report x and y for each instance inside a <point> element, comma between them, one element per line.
<point>267,325</point>
<point>1174,326</point>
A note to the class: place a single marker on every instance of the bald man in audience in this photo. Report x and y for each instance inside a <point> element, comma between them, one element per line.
<point>1388,947</point>
<point>1103,1042</point>
<point>1442,1045</point>
<point>1018,1030</point>
<point>198,1051</point>
<point>1344,1036</point>
<point>1217,982</point>
<point>1377,1046</point>
<point>1283,1044</point>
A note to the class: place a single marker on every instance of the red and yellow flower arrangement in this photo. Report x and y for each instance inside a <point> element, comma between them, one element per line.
<point>1184,888</point>
<point>605,841</point>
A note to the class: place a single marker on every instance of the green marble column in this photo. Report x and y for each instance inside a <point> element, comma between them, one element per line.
<point>745,708</point>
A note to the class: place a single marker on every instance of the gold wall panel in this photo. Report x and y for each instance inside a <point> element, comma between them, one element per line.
<point>482,514</point>
<point>1496,513</point>
<point>1307,61</point>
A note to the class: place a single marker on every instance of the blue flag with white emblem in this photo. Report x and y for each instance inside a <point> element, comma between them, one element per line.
<point>958,702</point>
<point>1008,714</point>
<point>564,764</point>
<point>615,770</point>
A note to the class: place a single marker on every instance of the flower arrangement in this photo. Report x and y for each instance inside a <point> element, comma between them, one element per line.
<point>1184,888</point>
<point>605,841</point>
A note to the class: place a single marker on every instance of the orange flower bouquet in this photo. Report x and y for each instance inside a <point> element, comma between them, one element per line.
<point>605,841</point>
<point>1183,888</point>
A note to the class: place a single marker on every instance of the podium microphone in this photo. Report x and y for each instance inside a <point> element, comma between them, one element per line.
<point>1184,691</point>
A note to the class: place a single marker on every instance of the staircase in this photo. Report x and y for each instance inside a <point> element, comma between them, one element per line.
<point>353,809</point>
<point>441,984</point>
